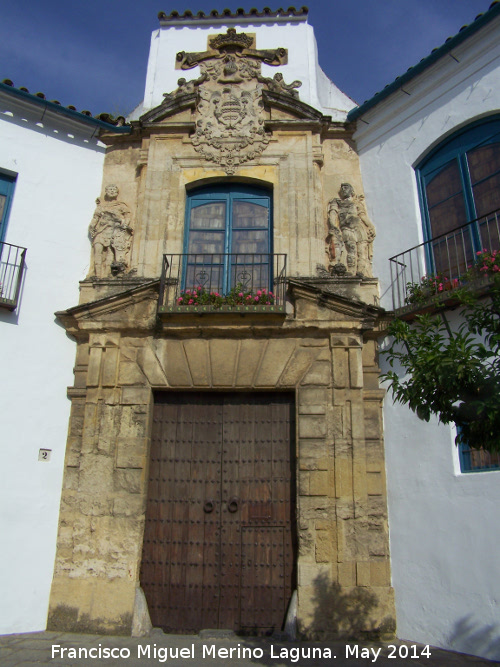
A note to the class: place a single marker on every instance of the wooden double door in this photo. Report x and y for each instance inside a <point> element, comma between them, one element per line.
<point>219,542</point>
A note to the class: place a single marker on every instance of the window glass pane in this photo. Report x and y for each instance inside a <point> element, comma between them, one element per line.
<point>242,230</point>
<point>206,242</point>
<point>448,215</point>
<point>489,231</point>
<point>251,277</point>
<point>444,185</point>
<point>208,276</point>
<point>3,200</point>
<point>208,216</point>
<point>250,241</point>
<point>453,253</point>
<point>484,161</point>
<point>478,459</point>
<point>487,195</point>
<point>246,214</point>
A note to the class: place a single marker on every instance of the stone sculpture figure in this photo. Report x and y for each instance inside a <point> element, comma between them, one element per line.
<point>350,234</point>
<point>111,235</point>
<point>277,85</point>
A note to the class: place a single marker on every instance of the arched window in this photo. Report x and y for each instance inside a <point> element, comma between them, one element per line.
<point>460,183</point>
<point>228,239</point>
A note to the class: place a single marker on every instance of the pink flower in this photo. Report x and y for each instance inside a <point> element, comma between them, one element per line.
<point>248,297</point>
<point>259,292</point>
<point>179,299</point>
<point>240,294</point>
<point>190,302</point>
<point>256,298</point>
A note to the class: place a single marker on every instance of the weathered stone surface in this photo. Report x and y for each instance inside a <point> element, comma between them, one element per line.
<point>274,361</point>
<point>99,606</point>
<point>136,395</point>
<point>176,366</point>
<point>198,359</point>
<point>130,481</point>
<point>250,354</point>
<point>131,452</point>
<point>150,366</point>
<point>318,483</point>
<point>312,426</point>
<point>314,396</point>
<point>318,374</point>
<point>141,622</point>
<point>325,547</point>
<point>223,355</point>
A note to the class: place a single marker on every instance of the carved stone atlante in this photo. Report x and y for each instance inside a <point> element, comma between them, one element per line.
<point>230,111</point>
<point>111,235</point>
<point>349,243</point>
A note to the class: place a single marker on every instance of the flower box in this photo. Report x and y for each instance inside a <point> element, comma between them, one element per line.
<point>240,310</point>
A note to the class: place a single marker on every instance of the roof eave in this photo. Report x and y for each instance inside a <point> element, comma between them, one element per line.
<point>62,111</point>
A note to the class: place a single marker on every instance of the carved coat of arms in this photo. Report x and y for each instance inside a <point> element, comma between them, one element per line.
<point>230,112</point>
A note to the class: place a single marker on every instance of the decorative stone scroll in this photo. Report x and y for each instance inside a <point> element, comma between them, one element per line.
<point>349,243</point>
<point>111,235</point>
<point>230,111</point>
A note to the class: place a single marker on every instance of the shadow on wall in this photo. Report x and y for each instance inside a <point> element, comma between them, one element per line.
<point>344,613</point>
<point>470,637</point>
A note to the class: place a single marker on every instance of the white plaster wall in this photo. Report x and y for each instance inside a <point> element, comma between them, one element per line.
<point>298,37</point>
<point>444,525</point>
<point>59,178</point>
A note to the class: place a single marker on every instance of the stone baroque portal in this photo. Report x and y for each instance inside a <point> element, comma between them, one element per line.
<point>292,472</point>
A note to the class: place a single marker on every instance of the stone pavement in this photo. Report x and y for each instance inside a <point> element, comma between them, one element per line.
<point>211,648</point>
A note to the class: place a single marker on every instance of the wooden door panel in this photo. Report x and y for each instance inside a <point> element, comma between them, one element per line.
<point>263,603</point>
<point>179,574</point>
<point>219,543</point>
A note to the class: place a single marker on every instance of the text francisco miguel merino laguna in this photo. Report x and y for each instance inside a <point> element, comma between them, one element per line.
<point>212,651</point>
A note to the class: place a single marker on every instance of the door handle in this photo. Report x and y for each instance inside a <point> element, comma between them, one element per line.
<point>232,505</point>
<point>208,506</point>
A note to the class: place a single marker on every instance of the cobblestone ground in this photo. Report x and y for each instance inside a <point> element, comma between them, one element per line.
<point>212,649</point>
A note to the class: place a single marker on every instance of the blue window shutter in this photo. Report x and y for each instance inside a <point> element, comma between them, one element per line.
<point>7,184</point>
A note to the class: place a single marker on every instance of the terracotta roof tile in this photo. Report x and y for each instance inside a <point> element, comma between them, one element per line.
<point>119,121</point>
<point>435,54</point>
<point>228,14</point>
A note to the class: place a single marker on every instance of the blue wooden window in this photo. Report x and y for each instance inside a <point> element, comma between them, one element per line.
<point>6,192</point>
<point>460,182</point>
<point>228,234</point>
<point>477,460</point>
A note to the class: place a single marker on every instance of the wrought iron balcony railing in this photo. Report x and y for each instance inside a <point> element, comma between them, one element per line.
<point>243,282</point>
<point>436,267</point>
<point>12,258</point>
